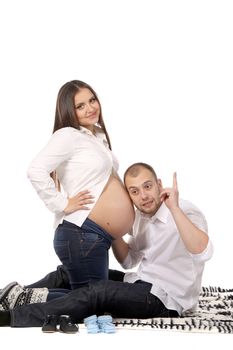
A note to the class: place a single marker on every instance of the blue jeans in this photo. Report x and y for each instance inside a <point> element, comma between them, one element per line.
<point>59,279</point>
<point>83,251</point>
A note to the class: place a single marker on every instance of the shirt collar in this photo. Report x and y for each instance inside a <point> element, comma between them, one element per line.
<point>98,131</point>
<point>161,214</point>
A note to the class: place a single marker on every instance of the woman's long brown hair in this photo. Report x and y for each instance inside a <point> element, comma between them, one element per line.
<point>65,114</point>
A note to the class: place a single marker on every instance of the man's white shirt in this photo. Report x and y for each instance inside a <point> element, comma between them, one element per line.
<point>155,244</point>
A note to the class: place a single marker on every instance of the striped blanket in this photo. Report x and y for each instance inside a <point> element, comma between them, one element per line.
<point>213,314</point>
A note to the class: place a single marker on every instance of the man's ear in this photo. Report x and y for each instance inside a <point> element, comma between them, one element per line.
<point>160,185</point>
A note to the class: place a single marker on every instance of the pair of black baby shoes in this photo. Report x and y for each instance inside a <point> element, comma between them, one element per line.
<point>62,323</point>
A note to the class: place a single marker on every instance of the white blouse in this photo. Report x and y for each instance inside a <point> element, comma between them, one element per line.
<point>82,160</point>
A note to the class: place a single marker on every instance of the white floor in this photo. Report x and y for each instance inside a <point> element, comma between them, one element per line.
<point>33,338</point>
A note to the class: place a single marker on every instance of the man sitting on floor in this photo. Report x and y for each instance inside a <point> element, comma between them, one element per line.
<point>169,241</point>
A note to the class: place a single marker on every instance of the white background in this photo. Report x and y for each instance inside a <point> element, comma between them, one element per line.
<point>163,72</point>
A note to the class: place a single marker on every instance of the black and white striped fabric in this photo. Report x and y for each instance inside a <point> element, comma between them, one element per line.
<point>213,314</point>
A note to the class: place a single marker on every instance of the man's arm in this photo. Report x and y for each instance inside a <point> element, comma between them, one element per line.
<point>195,240</point>
<point>120,249</point>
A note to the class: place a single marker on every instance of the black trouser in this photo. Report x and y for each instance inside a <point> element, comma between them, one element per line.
<point>120,299</point>
<point>54,279</point>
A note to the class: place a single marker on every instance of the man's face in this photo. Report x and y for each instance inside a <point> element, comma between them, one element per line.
<point>144,191</point>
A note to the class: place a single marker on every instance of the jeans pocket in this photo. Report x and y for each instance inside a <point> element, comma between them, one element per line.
<point>91,237</point>
<point>91,243</point>
<point>62,250</point>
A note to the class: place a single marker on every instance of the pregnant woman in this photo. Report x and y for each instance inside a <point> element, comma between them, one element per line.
<point>75,175</point>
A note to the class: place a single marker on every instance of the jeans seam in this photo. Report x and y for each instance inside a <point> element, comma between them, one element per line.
<point>92,246</point>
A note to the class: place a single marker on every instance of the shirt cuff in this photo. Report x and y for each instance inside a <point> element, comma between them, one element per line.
<point>206,254</point>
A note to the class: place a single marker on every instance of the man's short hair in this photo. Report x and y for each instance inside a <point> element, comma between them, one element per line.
<point>134,169</point>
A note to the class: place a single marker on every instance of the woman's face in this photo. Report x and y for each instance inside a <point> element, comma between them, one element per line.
<point>87,108</point>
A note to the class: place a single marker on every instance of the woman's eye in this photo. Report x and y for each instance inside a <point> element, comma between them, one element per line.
<point>79,107</point>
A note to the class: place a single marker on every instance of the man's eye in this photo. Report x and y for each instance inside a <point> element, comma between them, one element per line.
<point>133,192</point>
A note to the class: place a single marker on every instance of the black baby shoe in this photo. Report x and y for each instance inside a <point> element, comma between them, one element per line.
<point>66,325</point>
<point>61,323</point>
<point>50,324</point>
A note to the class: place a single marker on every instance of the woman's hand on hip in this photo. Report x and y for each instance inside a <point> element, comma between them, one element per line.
<point>79,202</point>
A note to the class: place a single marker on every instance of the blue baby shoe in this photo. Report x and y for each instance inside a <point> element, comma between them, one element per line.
<point>91,324</point>
<point>105,324</point>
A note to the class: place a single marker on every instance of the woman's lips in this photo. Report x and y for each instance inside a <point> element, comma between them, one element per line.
<point>93,115</point>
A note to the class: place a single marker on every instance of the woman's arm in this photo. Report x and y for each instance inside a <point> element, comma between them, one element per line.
<point>58,149</point>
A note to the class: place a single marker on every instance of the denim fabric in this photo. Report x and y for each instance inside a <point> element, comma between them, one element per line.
<point>59,279</point>
<point>55,279</point>
<point>83,251</point>
<point>57,293</point>
<point>120,299</point>
<point>58,284</point>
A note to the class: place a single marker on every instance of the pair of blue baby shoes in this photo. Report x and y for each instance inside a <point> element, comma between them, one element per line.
<point>100,324</point>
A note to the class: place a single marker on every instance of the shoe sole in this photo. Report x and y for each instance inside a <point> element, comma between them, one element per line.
<point>6,290</point>
<point>49,331</point>
<point>60,331</point>
<point>68,332</point>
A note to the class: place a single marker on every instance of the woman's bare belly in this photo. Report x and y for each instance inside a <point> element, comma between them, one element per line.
<point>113,210</point>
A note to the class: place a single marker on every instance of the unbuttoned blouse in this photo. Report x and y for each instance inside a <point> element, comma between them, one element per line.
<point>174,272</point>
<point>82,160</point>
